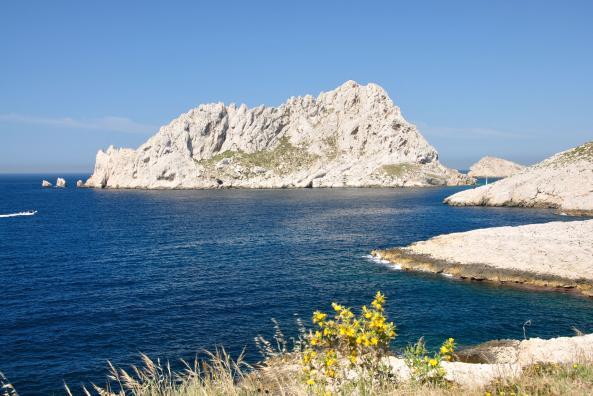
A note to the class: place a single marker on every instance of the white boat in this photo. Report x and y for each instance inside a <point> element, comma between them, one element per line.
<point>25,213</point>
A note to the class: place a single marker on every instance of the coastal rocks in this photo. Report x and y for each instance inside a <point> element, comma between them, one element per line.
<point>45,184</point>
<point>60,183</point>
<point>353,136</point>
<point>554,255</point>
<point>79,183</point>
<point>494,167</point>
<point>563,181</point>
<point>519,355</point>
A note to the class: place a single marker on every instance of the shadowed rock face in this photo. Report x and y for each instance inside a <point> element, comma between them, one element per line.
<point>351,136</point>
<point>563,181</point>
<point>494,167</point>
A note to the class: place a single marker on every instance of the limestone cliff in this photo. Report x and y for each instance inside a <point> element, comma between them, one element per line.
<point>494,167</point>
<point>563,181</point>
<point>351,136</point>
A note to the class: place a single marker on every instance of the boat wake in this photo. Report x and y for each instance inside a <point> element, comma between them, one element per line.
<point>381,261</point>
<point>27,213</point>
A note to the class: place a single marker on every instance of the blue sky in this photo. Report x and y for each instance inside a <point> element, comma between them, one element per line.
<point>506,78</point>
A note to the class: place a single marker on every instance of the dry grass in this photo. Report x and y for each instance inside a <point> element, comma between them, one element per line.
<point>218,374</point>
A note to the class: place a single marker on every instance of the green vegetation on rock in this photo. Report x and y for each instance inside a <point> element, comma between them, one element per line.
<point>583,152</point>
<point>283,159</point>
<point>399,170</point>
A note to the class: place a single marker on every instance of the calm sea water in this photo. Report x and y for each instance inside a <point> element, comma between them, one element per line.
<point>103,275</point>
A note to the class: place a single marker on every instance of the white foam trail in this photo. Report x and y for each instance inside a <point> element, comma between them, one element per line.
<point>381,261</point>
<point>28,213</point>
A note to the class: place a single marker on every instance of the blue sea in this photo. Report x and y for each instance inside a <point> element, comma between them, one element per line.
<point>100,275</point>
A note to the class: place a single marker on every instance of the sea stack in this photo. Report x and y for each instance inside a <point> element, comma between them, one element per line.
<point>563,181</point>
<point>494,167</point>
<point>60,183</point>
<point>45,184</point>
<point>353,136</point>
<point>79,183</point>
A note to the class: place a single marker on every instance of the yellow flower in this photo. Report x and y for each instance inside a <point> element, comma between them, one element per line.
<point>374,341</point>
<point>310,381</point>
<point>319,317</point>
<point>337,307</point>
<point>433,362</point>
<point>331,373</point>
<point>575,365</point>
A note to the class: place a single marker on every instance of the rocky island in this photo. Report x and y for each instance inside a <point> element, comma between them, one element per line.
<point>563,181</point>
<point>556,255</point>
<point>353,136</point>
<point>494,167</point>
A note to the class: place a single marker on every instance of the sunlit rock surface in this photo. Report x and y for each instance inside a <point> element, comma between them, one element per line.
<point>351,136</point>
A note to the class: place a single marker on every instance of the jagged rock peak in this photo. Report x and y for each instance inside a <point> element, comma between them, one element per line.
<point>351,136</point>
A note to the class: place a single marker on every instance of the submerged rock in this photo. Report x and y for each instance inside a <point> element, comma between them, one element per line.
<point>494,167</point>
<point>45,183</point>
<point>60,183</point>
<point>351,136</point>
<point>563,181</point>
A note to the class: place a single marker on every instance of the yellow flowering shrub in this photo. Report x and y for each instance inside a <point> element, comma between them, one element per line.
<point>347,344</point>
<point>424,367</point>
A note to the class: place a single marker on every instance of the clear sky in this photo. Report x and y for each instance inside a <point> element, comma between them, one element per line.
<point>506,78</point>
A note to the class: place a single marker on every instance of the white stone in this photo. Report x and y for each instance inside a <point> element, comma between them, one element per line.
<point>45,183</point>
<point>79,183</point>
<point>563,249</point>
<point>563,181</point>
<point>562,350</point>
<point>343,137</point>
<point>494,167</point>
<point>60,183</point>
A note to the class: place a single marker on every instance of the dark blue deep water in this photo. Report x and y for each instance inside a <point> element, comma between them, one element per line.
<point>103,275</point>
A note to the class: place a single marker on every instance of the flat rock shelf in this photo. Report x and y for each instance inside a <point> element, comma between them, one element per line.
<point>551,255</point>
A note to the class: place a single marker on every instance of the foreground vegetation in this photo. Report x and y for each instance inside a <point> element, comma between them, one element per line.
<point>345,353</point>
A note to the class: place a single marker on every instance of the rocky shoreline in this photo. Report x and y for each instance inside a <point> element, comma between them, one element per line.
<point>554,255</point>
<point>563,182</point>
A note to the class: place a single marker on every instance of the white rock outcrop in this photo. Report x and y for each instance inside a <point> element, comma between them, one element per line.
<point>79,183</point>
<point>563,181</point>
<point>559,248</point>
<point>60,183</point>
<point>351,136</point>
<point>494,167</point>
<point>561,350</point>
<point>557,254</point>
<point>45,183</point>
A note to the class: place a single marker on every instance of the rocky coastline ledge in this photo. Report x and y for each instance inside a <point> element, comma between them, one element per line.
<point>353,136</point>
<point>563,181</point>
<point>556,255</point>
